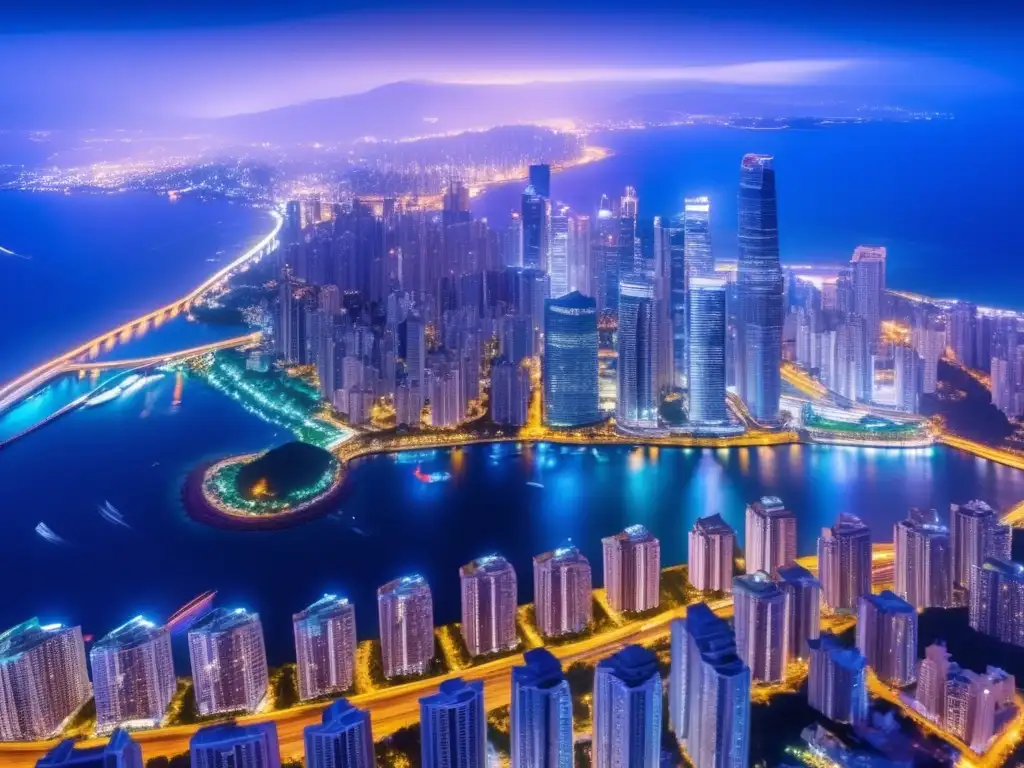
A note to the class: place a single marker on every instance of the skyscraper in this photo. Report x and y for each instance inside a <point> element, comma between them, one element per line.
<point>570,361</point>
<point>699,259</point>
<point>770,536</point>
<point>922,568</point>
<point>836,682</point>
<point>43,679</point>
<point>760,289</point>
<point>932,676</point>
<point>803,608</point>
<point>709,691</point>
<point>712,546</point>
<point>632,570</point>
<point>762,638</point>
<point>406,612</point>
<point>638,359</point>
<point>868,269</point>
<point>627,709</point>
<point>705,335</point>
<point>535,230</point>
<point>887,636</point>
<point>558,250</point>
<point>453,728</point>
<point>997,601</point>
<point>844,563</point>
<point>230,745</point>
<point>562,592</point>
<point>540,179</point>
<point>344,738</point>
<point>121,751</point>
<point>229,662</point>
<point>510,392</point>
<point>489,602</point>
<point>971,529</point>
<point>581,260</point>
<point>325,646</point>
<point>541,713</point>
<point>133,675</point>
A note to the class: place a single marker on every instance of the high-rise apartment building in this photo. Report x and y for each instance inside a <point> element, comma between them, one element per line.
<point>709,691</point>
<point>405,609</point>
<point>997,600</point>
<point>760,289</point>
<point>133,675</point>
<point>510,392</point>
<point>637,405</point>
<point>974,534</point>
<point>803,608</point>
<point>770,536</point>
<point>627,709</point>
<point>922,567</point>
<point>570,361</point>
<point>453,726</point>
<point>706,318</point>
<point>712,548</point>
<point>43,679</point>
<point>541,713</point>
<point>121,751</point>
<point>325,646</point>
<point>343,738</point>
<point>868,269</point>
<point>230,745</point>
<point>844,563</point>
<point>562,592</point>
<point>229,661</point>
<point>489,603</point>
<point>836,682</point>
<point>762,638</point>
<point>887,636</point>
<point>632,570</point>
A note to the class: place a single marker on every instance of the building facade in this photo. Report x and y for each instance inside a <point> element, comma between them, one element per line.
<point>541,713</point>
<point>229,661</point>
<point>712,549</point>
<point>844,563</point>
<point>343,738</point>
<point>922,567</point>
<point>405,609</point>
<point>803,608</point>
<point>325,646</point>
<point>837,680</point>
<point>762,637</point>
<point>632,570</point>
<point>230,745</point>
<point>562,592</point>
<point>887,637</point>
<point>706,319</point>
<point>770,536</point>
<point>489,603</point>
<point>627,709</point>
<point>453,726</point>
<point>570,361</point>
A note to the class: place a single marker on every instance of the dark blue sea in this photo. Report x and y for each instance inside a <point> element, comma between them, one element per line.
<point>837,187</point>
<point>942,195</point>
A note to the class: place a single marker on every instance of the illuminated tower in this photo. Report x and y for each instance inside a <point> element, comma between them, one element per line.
<point>627,709</point>
<point>541,713</point>
<point>803,608</point>
<point>836,682</point>
<point>709,691</point>
<point>770,536</point>
<point>844,563</point>
<point>535,230</point>
<point>325,646</point>
<point>133,675</point>
<point>489,603</point>
<point>43,679</point>
<point>760,289</point>
<point>406,611</point>
<point>887,636</point>
<point>699,259</point>
<point>229,662</point>
<point>562,592</point>
<point>540,179</point>
<point>230,745</point>
<point>974,534</point>
<point>570,361</point>
<point>712,545</point>
<point>632,570</point>
<point>922,569</point>
<point>997,600</point>
<point>344,738</point>
<point>705,335</point>
<point>762,638</point>
<point>453,727</point>
<point>558,260</point>
<point>638,357</point>
<point>868,269</point>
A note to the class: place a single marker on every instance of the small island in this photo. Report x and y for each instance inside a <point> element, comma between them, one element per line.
<point>283,486</point>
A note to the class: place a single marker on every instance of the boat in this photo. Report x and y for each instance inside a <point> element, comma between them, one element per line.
<point>535,484</point>
<point>48,535</point>
<point>135,386</point>
<point>191,612</point>
<point>115,391</point>
<point>431,477</point>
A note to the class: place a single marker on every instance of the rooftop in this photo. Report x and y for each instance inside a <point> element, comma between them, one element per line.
<point>632,533</point>
<point>130,634</point>
<point>889,602</point>
<point>233,732</point>
<point>794,572</point>
<point>455,692</point>
<point>713,524</point>
<point>977,508</point>
<point>487,564</point>
<point>224,620</point>
<point>407,585</point>
<point>564,554</point>
<point>1007,568</point>
<point>541,670</point>
<point>339,717</point>
<point>634,665</point>
<point>328,605</point>
<point>24,637</point>
<point>759,584</point>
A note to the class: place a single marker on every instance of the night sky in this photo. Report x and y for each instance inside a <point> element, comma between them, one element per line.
<point>186,59</point>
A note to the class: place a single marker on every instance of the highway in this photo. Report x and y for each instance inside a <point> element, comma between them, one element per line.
<point>15,390</point>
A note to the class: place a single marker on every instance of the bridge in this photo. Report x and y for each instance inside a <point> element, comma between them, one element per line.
<point>247,340</point>
<point>13,391</point>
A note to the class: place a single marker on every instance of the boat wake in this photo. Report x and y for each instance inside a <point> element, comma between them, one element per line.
<point>47,534</point>
<point>9,252</point>
<point>111,514</point>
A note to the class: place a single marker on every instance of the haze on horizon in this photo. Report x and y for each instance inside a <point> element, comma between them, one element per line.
<point>108,64</point>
